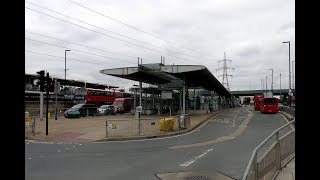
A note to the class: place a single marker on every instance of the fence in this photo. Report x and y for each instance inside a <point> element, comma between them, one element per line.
<point>271,155</point>
<point>148,126</point>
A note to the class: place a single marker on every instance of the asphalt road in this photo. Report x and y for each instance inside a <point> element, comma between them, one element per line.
<point>224,144</point>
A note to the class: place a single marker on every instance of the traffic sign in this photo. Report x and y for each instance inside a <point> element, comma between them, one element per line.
<point>139,109</point>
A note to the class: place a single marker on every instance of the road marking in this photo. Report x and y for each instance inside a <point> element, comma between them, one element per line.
<point>198,128</point>
<point>67,148</point>
<point>187,163</point>
<point>287,121</point>
<point>220,139</point>
<point>234,120</point>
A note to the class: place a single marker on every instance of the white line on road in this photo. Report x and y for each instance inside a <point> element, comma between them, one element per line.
<point>187,163</point>
<point>234,120</point>
<point>287,121</point>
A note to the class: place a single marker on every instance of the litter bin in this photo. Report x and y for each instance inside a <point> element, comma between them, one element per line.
<point>166,124</point>
<point>184,121</point>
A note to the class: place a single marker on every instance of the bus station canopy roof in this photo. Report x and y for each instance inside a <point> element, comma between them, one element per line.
<point>171,76</point>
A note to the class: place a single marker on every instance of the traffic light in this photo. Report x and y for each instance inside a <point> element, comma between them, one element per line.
<point>51,85</point>
<point>42,80</point>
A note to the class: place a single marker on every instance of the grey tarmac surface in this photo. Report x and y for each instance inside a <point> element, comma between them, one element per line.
<point>143,159</point>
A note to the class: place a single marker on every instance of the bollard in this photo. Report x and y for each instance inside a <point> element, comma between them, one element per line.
<point>107,129</point>
<point>34,126</point>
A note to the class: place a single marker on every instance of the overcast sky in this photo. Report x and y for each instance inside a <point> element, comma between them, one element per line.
<point>250,32</point>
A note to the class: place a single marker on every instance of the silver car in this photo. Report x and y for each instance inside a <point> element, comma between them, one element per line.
<point>107,109</point>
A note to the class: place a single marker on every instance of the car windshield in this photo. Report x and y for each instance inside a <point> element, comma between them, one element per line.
<point>117,103</point>
<point>104,107</point>
<point>77,106</point>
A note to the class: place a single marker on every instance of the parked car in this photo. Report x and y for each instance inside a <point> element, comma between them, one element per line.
<point>107,109</point>
<point>81,110</point>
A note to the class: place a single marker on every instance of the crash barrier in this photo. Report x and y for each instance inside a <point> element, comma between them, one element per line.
<point>272,154</point>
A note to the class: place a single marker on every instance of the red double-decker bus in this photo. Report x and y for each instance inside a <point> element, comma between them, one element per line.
<point>98,96</point>
<point>257,99</point>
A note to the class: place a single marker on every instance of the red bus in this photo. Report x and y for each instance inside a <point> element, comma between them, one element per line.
<point>97,96</point>
<point>257,98</point>
<point>269,105</point>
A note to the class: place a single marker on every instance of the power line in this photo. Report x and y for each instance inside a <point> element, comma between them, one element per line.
<point>78,50</point>
<point>133,27</point>
<point>80,44</point>
<point>62,57</point>
<point>109,35</point>
<point>108,30</point>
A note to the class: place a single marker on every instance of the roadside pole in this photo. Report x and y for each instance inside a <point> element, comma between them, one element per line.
<point>56,87</point>
<point>41,106</point>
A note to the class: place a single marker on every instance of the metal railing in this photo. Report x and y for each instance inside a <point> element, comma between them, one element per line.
<point>274,157</point>
<point>149,126</point>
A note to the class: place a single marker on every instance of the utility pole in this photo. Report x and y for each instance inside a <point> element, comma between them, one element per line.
<point>47,103</point>
<point>56,94</point>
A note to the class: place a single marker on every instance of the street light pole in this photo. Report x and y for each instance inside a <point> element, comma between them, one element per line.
<point>293,74</point>
<point>65,63</point>
<point>280,87</point>
<point>289,74</point>
<point>266,84</point>
<point>271,80</point>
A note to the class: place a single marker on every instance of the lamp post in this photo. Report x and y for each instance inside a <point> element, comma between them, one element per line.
<point>65,63</point>
<point>280,87</point>
<point>293,74</point>
<point>266,85</point>
<point>289,74</point>
<point>271,80</point>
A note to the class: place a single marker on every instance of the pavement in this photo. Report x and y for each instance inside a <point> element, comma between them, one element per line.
<point>90,129</point>
<point>218,149</point>
<point>287,172</point>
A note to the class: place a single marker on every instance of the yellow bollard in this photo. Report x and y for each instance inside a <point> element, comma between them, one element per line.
<point>26,116</point>
<point>49,115</point>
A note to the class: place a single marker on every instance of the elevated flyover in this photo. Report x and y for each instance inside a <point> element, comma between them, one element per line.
<point>253,92</point>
